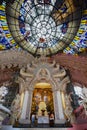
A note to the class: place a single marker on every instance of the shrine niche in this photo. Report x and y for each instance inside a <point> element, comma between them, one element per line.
<point>42,72</point>
<point>42,101</point>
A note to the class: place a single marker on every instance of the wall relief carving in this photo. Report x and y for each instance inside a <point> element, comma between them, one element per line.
<point>37,72</point>
<point>45,72</point>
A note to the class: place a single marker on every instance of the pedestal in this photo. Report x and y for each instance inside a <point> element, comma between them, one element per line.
<point>43,120</point>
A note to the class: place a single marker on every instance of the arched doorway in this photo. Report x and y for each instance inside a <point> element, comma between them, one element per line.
<point>42,73</point>
<point>42,102</point>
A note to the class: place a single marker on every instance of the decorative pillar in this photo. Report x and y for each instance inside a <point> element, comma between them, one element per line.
<point>59,115</point>
<point>29,104</point>
<point>23,117</point>
<point>63,100</point>
<point>60,106</point>
<point>55,106</point>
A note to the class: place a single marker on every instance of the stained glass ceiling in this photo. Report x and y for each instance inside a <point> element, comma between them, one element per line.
<point>45,27</point>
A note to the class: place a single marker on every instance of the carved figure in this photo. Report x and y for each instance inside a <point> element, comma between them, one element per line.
<point>60,74</point>
<point>84,100</point>
<point>42,109</point>
<point>3,109</point>
<point>24,73</point>
<point>43,73</point>
<point>15,107</point>
<point>68,109</point>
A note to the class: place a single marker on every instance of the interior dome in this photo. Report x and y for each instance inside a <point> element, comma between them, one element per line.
<point>43,27</point>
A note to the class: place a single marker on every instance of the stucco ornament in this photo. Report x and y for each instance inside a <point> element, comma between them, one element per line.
<point>37,72</point>
<point>84,100</point>
<point>24,73</point>
<point>68,109</point>
<point>15,107</point>
<point>3,109</point>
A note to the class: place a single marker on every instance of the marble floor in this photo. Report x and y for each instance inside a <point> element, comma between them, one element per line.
<point>42,126</point>
<point>11,128</point>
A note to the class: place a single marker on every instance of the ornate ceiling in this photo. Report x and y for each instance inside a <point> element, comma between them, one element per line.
<point>44,27</point>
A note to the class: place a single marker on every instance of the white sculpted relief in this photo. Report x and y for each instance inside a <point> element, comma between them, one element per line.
<point>34,73</point>
<point>3,110</point>
<point>43,74</point>
<point>60,77</point>
<point>84,100</point>
<point>68,109</point>
<point>60,74</point>
<point>25,74</point>
<point>46,73</point>
<point>16,108</point>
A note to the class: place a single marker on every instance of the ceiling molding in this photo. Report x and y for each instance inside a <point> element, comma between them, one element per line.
<point>77,65</point>
<point>14,58</point>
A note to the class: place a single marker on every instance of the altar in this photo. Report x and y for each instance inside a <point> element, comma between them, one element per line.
<point>43,120</point>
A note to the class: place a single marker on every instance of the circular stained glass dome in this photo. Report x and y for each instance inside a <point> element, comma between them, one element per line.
<point>43,27</point>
